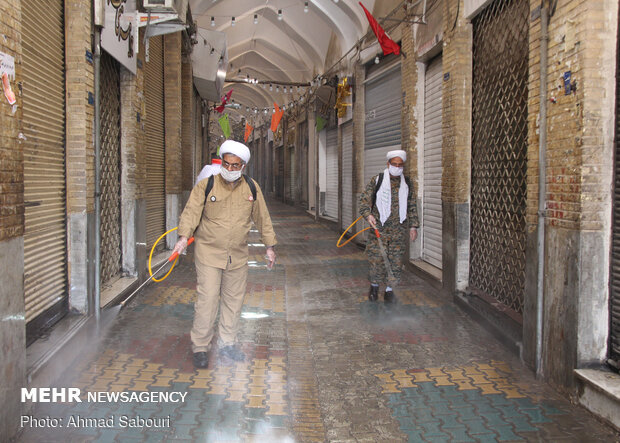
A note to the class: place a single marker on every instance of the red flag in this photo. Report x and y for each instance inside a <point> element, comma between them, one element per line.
<point>248,131</point>
<point>387,44</point>
<point>275,118</point>
<point>225,99</point>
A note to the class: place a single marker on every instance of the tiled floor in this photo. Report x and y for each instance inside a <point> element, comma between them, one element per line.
<point>323,364</point>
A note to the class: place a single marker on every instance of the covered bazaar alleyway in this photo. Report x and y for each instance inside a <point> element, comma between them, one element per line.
<point>323,363</point>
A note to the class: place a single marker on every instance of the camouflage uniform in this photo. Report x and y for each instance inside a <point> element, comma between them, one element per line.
<point>394,235</point>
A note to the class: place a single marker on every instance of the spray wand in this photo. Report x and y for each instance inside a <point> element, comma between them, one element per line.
<point>173,258</point>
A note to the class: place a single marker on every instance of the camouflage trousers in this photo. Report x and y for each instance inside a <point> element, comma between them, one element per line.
<point>394,237</point>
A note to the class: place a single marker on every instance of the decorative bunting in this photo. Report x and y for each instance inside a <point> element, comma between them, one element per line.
<point>387,44</point>
<point>320,123</point>
<point>275,118</point>
<point>225,125</point>
<point>225,99</point>
<point>248,131</point>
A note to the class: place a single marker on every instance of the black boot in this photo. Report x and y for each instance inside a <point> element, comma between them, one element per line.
<point>373,294</point>
<point>389,297</point>
<point>201,360</point>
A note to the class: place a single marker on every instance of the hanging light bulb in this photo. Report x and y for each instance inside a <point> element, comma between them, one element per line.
<point>285,89</point>
<point>255,110</point>
<point>335,1</point>
<point>273,110</point>
<point>277,88</point>
<point>284,107</point>
<point>270,87</point>
<point>212,51</point>
<point>212,21</point>
<point>265,111</point>
<point>305,6</point>
<point>256,19</point>
<point>247,109</point>
<point>232,22</point>
<point>376,60</point>
<point>279,14</point>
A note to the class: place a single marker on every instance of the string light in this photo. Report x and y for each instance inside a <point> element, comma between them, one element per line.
<point>256,19</point>
<point>376,60</point>
<point>270,87</point>
<point>212,21</point>
<point>232,22</point>
<point>305,6</point>
<point>279,14</point>
<point>285,89</point>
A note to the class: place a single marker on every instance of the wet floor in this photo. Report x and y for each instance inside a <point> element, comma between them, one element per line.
<point>322,364</point>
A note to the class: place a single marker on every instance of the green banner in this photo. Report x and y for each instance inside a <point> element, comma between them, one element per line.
<point>225,125</point>
<point>320,123</point>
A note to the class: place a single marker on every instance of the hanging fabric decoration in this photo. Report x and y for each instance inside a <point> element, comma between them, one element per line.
<point>388,45</point>
<point>320,123</point>
<point>343,93</point>
<point>225,99</point>
<point>248,131</point>
<point>275,118</point>
<point>225,125</point>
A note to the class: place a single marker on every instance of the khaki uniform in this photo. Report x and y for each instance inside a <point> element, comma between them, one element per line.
<point>394,234</point>
<point>220,226</point>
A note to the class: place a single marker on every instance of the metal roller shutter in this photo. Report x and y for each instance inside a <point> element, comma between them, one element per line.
<point>45,250</point>
<point>347,175</point>
<point>197,128</point>
<point>292,177</point>
<point>331,164</point>
<point>431,210</point>
<point>383,116</point>
<point>110,229</point>
<point>499,152</point>
<point>155,144</point>
<point>614,298</point>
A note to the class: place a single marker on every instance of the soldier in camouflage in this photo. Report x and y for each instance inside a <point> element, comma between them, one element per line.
<point>390,206</point>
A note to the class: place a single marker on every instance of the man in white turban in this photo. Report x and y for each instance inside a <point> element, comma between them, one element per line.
<point>218,214</point>
<point>389,204</point>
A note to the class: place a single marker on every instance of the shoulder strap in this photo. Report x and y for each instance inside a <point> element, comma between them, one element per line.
<point>252,186</point>
<point>377,186</point>
<point>210,182</point>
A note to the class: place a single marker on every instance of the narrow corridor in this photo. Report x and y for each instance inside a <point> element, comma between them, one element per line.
<point>323,363</point>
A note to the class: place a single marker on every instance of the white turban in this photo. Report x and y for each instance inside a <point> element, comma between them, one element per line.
<point>398,153</point>
<point>235,148</point>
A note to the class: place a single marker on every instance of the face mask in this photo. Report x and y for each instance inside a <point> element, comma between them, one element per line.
<point>395,171</point>
<point>231,176</point>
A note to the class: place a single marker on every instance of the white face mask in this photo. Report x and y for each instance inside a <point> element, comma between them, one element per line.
<point>231,176</point>
<point>395,171</point>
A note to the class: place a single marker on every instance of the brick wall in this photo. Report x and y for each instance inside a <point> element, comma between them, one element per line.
<point>582,40</point>
<point>409,123</point>
<point>456,96</point>
<point>11,150</point>
<point>172,111</point>
<point>80,152</point>
<point>187,145</point>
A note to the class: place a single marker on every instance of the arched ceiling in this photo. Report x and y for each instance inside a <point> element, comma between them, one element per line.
<point>294,49</point>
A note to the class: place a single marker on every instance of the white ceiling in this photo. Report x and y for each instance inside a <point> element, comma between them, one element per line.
<point>294,49</point>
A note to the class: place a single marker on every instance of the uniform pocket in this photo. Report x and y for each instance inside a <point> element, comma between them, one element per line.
<point>214,210</point>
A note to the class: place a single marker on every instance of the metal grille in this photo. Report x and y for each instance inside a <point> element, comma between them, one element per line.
<point>499,152</point>
<point>110,229</point>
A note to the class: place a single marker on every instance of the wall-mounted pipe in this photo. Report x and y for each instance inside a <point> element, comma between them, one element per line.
<point>542,189</point>
<point>97,128</point>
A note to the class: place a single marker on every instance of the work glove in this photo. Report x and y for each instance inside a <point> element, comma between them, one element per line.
<point>180,245</point>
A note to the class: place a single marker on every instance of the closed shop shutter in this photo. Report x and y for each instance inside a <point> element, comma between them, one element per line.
<point>614,299</point>
<point>499,153</point>
<point>155,144</point>
<point>110,169</point>
<point>347,175</point>
<point>331,165</point>
<point>45,250</point>
<point>292,176</point>
<point>431,210</point>
<point>383,116</point>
